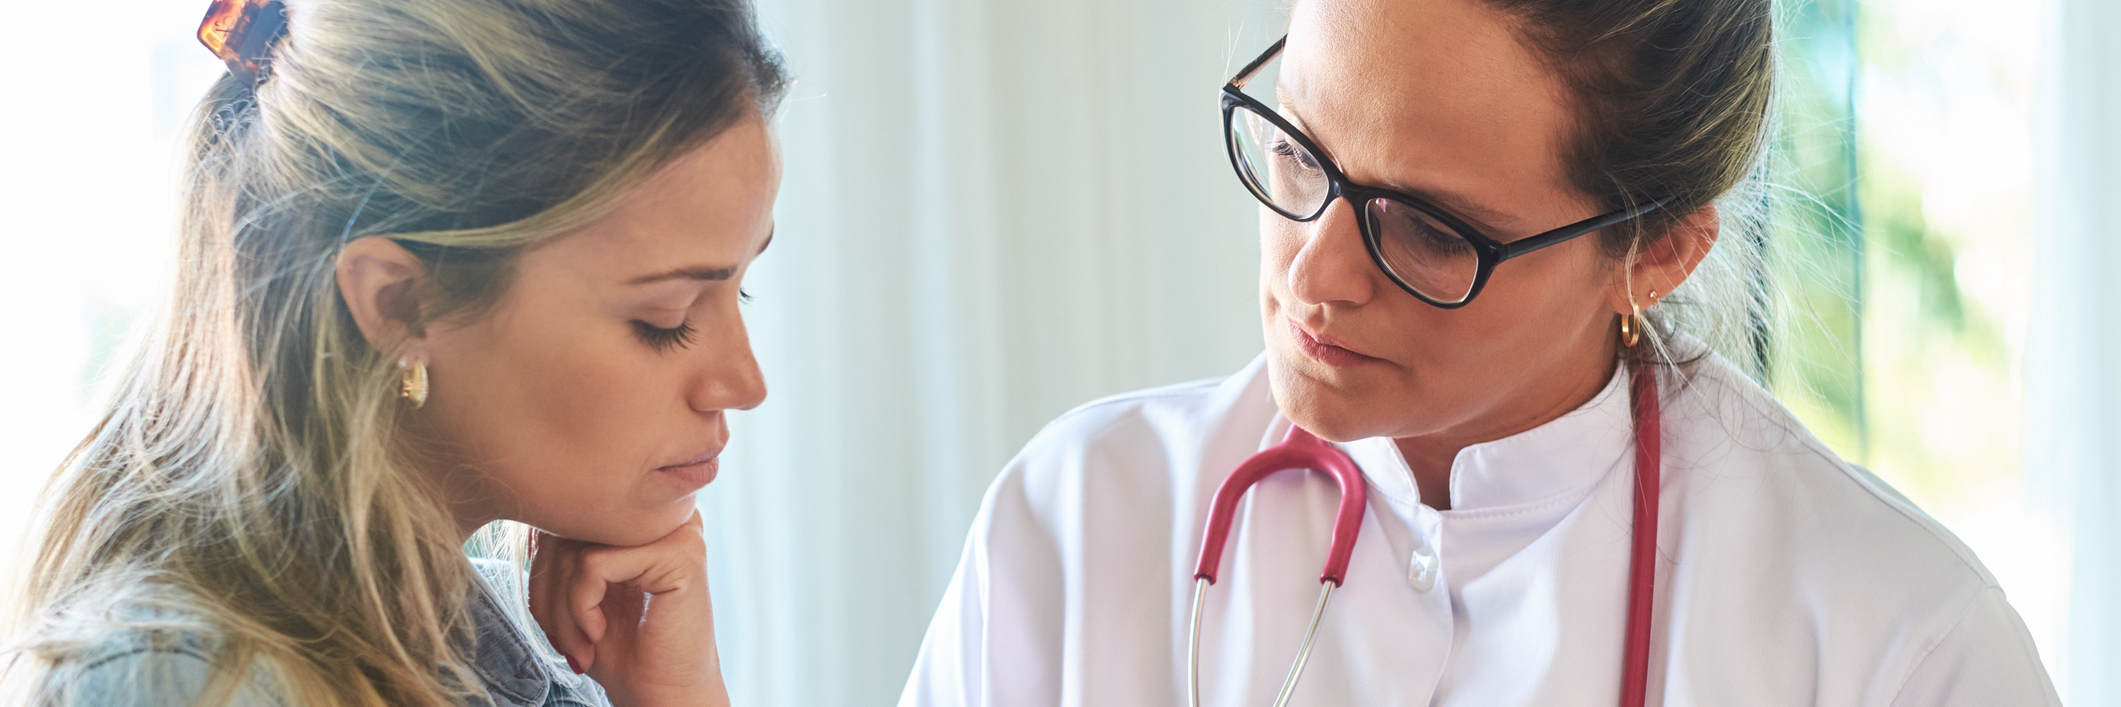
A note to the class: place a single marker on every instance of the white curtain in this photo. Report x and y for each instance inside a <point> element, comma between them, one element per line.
<point>993,211</point>
<point>2073,390</point>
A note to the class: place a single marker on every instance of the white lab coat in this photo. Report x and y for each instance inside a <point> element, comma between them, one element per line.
<point>1786,575</point>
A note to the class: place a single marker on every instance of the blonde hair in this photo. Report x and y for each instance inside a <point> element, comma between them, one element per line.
<point>244,483</point>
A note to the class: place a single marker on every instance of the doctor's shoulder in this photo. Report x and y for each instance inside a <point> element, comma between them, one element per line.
<point>1743,448</point>
<point>1768,512</point>
<point>1141,445</point>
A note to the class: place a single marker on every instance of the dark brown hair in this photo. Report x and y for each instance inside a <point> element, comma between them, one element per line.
<point>1672,98</point>
<point>1674,103</point>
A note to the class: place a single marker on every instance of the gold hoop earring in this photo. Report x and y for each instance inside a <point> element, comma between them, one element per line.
<point>412,382</point>
<point>1631,326</point>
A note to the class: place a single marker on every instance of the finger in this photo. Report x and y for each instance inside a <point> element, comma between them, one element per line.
<point>655,568</point>
<point>586,590</point>
<point>538,585</point>
<point>551,569</point>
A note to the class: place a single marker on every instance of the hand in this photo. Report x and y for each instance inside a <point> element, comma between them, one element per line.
<point>636,619</point>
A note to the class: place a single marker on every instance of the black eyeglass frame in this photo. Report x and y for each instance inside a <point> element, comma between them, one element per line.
<point>1489,251</point>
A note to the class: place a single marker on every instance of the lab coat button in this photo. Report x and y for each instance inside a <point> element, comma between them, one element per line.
<point>1422,568</point>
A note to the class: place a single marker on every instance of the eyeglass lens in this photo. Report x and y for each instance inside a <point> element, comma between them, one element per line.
<point>1281,172</point>
<point>1423,252</point>
<point>1420,251</point>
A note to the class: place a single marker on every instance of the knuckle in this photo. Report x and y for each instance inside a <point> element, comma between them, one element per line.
<point>599,564</point>
<point>593,562</point>
<point>592,565</point>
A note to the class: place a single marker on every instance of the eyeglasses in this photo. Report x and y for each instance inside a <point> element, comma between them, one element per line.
<point>1424,249</point>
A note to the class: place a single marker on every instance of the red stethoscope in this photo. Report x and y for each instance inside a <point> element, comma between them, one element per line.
<point>1302,450</point>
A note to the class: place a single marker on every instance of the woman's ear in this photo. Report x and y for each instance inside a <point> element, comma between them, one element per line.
<point>1664,264</point>
<point>378,279</point>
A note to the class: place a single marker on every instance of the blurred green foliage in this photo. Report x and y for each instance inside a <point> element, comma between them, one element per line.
<point>1872,339</point>
<point>1815,245</point>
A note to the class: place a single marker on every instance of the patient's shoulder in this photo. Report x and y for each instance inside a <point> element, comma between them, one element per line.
<point>142,656</point>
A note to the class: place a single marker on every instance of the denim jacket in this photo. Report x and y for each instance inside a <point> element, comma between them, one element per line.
<point>135,669</point>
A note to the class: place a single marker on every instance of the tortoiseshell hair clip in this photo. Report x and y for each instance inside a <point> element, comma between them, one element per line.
<point>242,33</point>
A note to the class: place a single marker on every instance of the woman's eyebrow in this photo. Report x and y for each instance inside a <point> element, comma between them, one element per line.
<point>707,273</point>
<point>702,273</point>
<point>1466,208</point>
<point>1458,204</point>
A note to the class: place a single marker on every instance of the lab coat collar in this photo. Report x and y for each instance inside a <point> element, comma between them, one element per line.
<point>1569,453</point>
<point>1565,455</point>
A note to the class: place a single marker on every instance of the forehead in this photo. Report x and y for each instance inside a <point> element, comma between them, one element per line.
<point>1428,95</point>
<point>710,205</point>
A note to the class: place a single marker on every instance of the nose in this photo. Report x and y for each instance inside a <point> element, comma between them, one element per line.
<point>729,376</point>
<point>1333,264</point>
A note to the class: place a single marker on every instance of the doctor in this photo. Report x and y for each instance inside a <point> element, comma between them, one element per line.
<point>1486,398</point>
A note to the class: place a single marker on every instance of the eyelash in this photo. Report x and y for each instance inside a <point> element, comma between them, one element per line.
<point>681,336</point>
<point>663,340</point>
<point>1285,148</point>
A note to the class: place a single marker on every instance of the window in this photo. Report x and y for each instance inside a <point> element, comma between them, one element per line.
<point>1904,247</point>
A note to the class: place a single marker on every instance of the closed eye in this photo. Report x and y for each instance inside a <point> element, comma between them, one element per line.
<point>663,340</point>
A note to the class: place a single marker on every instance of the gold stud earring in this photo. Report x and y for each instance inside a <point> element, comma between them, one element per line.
<point>412,382</point>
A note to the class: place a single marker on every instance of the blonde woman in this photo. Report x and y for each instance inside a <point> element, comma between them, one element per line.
<point>444,263</point>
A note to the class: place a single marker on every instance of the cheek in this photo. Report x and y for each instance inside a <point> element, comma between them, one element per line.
<point>1536,312</point>
<point>558,419</point>
<point>1448,366</point>
<point>1280,239</point>
<point>1557,284</point>
<point>1279,242</point>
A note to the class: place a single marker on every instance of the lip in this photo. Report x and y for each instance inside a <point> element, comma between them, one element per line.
<point>1326,349</point>
<point>696,472</point>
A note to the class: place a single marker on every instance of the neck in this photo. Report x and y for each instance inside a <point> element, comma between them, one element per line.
<point>466,527</point>
<point>1432,456</point>
<point>466,513</point>
<point>464,494</point>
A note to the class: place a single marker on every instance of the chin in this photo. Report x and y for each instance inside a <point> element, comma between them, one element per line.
<point>649,527</point>
<point>1334,413</point>
<point>630,535</point>
<point>624,529</point>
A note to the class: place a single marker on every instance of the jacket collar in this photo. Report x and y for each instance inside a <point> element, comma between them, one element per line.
<point>507,666</point>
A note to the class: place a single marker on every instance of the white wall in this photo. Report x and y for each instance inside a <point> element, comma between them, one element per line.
<point>91,101</point>
<point>993,212</point>
<point>2073,389</point>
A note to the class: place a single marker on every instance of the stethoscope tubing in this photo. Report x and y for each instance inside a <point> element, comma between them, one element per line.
<point>1642,558</point>
<point>1302,450</point>
<point>1299,450</point>
<point>1296,669</point>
